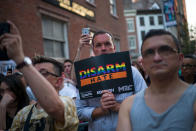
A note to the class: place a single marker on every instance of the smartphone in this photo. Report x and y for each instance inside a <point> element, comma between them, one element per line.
<point>85,31</point>
<point>4,28</point>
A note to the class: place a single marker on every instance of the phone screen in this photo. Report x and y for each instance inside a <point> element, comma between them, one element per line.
<point>85,31</point>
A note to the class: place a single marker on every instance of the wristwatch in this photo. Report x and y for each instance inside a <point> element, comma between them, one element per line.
<point>26,62</point>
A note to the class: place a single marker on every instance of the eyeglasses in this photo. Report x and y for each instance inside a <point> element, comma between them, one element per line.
<point>163,51</point>
<point>45,73</point>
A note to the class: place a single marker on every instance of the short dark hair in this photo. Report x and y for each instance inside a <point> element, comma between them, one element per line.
<point>58,67</point>
<point>100,33</point>
<point>159,32</point>
<point>68,60</point>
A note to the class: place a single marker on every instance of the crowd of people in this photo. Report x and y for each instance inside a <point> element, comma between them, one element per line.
<point>42,94</point>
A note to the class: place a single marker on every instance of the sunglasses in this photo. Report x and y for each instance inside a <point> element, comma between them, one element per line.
<point>46,73</point>
<point>163,51</point>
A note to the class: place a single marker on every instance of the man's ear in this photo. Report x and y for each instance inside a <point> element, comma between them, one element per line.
<point>142,62</point>
<point>59,81</point>
<point>181,58</point>
<point>114,47</point>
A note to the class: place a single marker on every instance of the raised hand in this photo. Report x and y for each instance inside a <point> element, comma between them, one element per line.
<point>13,43</point>
<point>8,97</point>
<point>85,41</point>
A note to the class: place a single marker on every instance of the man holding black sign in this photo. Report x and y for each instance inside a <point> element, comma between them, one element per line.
<point>102,113</point>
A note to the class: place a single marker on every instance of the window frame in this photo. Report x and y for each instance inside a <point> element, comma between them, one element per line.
<point>160,20</point>
<point>91,2</point>
<point>63,40</point>
<point>117,44</point>
<point>131,47</point>
<point>113,7</point>
<point>151,20</point>
<point>132,24</point>
<point>142,21</point>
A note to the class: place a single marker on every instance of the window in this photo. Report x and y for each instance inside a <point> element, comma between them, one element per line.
<point>142,21</point>
<point>142,34</point>
<point>54,37</point>
<point>160,20</point>
<point>130,25</point>
<point>91,1</point>
<point>117,44</point>
<point>151,20</point>
<point>132,42</point>
<point>113,7</point>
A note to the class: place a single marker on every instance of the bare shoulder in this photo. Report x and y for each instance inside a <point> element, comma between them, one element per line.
<point>124,122</point>
<point>128,102</point>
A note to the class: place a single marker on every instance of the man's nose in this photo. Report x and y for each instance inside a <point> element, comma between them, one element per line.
<point>157,56</point>
<point>103,47</point>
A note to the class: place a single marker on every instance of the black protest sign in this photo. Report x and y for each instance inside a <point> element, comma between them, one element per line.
<point>106,72</point>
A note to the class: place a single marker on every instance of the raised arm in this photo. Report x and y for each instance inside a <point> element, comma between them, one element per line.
<point>84,45</point>
<point>43,90</point>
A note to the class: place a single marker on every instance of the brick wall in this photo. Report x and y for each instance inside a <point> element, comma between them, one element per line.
<point>27,16</point>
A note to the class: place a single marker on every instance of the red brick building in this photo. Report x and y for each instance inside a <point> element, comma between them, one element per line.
<point>53,27</point>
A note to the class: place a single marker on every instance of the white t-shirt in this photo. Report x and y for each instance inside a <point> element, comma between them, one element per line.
<point>68,90</point>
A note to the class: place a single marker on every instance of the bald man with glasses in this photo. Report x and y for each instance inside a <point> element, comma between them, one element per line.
<point>169,103</point>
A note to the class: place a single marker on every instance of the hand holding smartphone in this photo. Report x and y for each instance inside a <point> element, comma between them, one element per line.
<point>4,28</point>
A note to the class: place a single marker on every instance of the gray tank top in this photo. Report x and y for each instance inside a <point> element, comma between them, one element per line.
<point>178,117</point>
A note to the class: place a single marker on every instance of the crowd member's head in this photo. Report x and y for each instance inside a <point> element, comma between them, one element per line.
<point>139,60</point>
<point>14,85</point>
<point>13,98</point>
<point>50,69</point>
<point>161,53</point>
<point>102,43</point>
<point>189,68</point>
<point>139,67</point>
<point>67,67</point>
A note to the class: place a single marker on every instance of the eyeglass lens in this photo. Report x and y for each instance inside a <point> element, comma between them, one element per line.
<point>162,50</point>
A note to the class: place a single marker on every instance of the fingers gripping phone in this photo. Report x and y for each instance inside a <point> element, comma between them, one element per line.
<point>85,31</point>
<point>4,28</point>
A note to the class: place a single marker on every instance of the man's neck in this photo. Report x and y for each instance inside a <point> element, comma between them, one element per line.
<point>167,85</point>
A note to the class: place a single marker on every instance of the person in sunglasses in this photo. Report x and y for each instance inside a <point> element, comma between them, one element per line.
<point>169,103</point>
<point>189,69</point>
<point>51,111</point>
